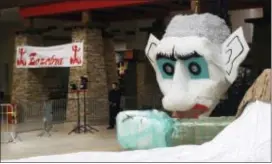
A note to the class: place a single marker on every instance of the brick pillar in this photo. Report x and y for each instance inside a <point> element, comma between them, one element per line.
<point>19,76</point>
<point>148,92</point>
<point>94,68</point>
<point>27,83</point>
<point>110,61</point>
<point>140,83</point>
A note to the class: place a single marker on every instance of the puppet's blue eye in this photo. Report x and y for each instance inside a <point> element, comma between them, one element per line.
<point>197,68</point>
<point>166,67</point>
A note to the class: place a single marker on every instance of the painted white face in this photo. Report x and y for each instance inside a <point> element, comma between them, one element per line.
<point>192,72</point>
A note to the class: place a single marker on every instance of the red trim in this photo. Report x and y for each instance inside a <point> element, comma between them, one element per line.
<point>75,5</point>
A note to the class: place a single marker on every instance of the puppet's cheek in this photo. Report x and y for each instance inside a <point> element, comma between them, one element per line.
<point>164,84</point>
<point>203,92</point>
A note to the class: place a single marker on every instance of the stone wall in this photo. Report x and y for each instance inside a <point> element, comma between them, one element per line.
<point>93,67</point>
<point>78,35</point>
<point>148,92</point>
<point>20,76</point>
<point>36,89</point>
<point>110,62</point>
<point>28,91</point>
<point>27,83</point>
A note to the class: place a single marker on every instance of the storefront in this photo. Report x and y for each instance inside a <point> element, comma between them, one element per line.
<point>88,23</point>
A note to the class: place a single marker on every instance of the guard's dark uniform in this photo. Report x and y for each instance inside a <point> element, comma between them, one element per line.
<point>114,99</point>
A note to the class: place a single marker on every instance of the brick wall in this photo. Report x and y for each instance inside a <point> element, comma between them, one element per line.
<point>28,90</point>
<point>95,68</point>
<point>27,83</point>
<point>148,92</point>
<point>110,62</point>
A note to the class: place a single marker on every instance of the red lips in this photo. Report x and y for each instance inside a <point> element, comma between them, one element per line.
<point>197,110</point>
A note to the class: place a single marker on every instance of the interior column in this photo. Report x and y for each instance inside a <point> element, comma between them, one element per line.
<point>110,60</point>
<point>148,92</point>
<point>27,84</point>
<point>94,68</point>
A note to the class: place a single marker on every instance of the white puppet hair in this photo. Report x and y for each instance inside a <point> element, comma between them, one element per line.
<point>202,25</point>
<point>185,46</point>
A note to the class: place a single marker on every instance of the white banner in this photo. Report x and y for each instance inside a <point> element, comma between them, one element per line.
<point>67,55</point>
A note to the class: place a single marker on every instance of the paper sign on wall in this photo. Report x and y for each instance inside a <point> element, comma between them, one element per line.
<point>67,55</point>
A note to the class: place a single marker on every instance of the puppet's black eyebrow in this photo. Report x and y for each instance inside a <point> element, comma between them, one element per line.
<point>166,56</point>
<point>189,56</point>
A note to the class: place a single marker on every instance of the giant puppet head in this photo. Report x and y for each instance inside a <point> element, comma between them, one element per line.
<point>196,61</point>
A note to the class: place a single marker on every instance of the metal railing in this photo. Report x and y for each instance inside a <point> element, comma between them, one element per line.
<point>31,114</point>
<point>8,116</point>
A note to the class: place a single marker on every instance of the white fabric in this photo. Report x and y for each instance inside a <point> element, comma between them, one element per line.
<point>247,139</point>
<point>66,55</point>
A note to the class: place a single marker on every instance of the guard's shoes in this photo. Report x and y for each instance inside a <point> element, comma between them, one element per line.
<point>110,127</point>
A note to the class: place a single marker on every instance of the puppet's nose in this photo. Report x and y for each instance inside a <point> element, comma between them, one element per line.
<point>181,78</point>
<point>177,101</point>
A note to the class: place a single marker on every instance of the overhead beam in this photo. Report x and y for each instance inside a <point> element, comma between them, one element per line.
<point>121,16</point>
<point>75,5</point>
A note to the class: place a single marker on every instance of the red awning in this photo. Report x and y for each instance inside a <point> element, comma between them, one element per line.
<point>75,5</point>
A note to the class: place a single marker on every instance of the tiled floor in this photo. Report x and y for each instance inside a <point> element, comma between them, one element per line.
<point>60,143</point>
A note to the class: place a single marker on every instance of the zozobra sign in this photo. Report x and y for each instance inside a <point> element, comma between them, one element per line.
<point>67,55</point>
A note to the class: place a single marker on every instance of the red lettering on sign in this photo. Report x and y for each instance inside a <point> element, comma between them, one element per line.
<point>48,61</point>
<point>32,58</point>
<point>75,59</point>
<point>21,60</point>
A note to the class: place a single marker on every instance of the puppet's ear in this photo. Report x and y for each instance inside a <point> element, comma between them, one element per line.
<point>150,48</point>
<point>235,50</point>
